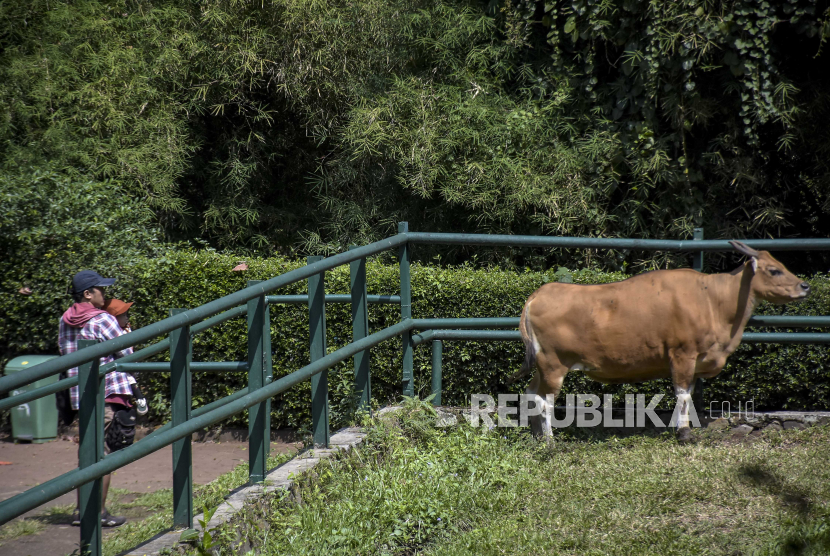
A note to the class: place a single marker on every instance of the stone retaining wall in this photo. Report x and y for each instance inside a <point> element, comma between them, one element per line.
<point>742,423</point>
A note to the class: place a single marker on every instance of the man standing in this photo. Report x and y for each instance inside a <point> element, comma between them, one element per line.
<point>87,320</point>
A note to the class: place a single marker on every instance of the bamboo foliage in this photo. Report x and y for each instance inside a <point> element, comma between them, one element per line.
<point>311,124</point>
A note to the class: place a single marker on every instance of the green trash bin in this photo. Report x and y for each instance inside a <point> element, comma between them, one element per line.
<point>37,420</point>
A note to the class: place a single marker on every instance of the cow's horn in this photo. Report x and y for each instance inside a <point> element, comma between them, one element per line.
<point>744,248</point>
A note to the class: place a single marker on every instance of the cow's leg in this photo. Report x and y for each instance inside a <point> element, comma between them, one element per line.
<point>539,424</point>
<point>683,377</point>
<point>545,387</point>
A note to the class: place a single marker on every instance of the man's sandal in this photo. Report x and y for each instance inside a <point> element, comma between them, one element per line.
<point>107,520</point>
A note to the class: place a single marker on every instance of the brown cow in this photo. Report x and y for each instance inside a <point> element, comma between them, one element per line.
<point>666,323</point>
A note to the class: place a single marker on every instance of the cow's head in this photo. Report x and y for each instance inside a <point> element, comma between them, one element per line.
<point>772,281</point>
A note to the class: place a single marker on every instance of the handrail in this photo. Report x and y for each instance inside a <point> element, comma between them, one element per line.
<point>441,333</point>
<point>192,316</point>
<point>230,301</point>
<point>614,243</point>
<point>25,397</point>
<point>153,349</point>
<point>495,322</point>
<point>253,301</point>
<point>786,338</point>
<point>196,366</point>
<point>71,480</point>
<point>784,321</point>
<point>438,335</point>
<point>333,298</point>
<point>789,321</point>
<point>497,335</point>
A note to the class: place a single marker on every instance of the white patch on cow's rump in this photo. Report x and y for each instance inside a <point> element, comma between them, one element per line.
<point>536,347</point>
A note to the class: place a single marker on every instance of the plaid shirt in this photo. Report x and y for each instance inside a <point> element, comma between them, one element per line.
<point>101,327</point>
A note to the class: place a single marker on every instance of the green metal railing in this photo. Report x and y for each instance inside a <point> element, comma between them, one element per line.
<point>180,327</point>
<point>438,336</point>
<point>254,302</point>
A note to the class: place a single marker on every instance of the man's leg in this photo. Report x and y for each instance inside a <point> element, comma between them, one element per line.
<point>105,483</point>
<point>105,487</point>
<point>108,520</point>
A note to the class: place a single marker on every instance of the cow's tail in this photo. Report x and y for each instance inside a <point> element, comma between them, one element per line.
<point>529,341</point>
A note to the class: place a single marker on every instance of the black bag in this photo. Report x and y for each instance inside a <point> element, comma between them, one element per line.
<point>121,431</point>
<point>62,401</point>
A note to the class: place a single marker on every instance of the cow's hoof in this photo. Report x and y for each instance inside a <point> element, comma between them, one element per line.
<point>684,435</point>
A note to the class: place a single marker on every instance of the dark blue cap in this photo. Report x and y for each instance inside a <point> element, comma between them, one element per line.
<point>87,279</point>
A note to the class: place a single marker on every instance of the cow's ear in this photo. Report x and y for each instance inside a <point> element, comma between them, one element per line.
<point>754,264</point>
<point>744,249</point>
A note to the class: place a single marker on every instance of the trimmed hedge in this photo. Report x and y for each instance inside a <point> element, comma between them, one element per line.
<point>52,226</point>
<point>775,376</point>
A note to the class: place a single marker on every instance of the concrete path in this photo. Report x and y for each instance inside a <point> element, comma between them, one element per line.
<point>27,465</point>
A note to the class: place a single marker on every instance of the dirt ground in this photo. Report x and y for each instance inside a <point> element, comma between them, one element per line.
<point>23,466</point>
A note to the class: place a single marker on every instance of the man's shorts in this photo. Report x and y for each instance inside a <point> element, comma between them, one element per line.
<point>109,413</point>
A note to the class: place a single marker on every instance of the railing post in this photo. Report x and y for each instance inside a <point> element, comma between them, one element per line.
<point>360,329</point>
<point>437,353</point>
<point>317,337</point>
<point>697,257</point>
<point>259,415</point>
<point>697,264</point>
<point>90,449</point>
<point>268,374</point>
<point>404,255</point>
<point>181,404</point>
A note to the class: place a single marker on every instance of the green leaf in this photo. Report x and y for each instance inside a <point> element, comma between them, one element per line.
<point>207,541</point>
<point>570,25</point>
<point>189,535</point>
<point>208,513</point>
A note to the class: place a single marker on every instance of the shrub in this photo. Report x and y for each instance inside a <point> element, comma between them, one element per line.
<point>776,376</point>
<point>52,227</point>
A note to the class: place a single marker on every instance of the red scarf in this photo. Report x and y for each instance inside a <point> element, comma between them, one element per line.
<point>77,315</point>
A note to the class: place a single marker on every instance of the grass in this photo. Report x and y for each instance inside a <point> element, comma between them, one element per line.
<point>34,525</point>
<point>149,514</point>
<point>414,489</point>
<point>57,514</point>
<point>20,528</point>
<point>159,506</point>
